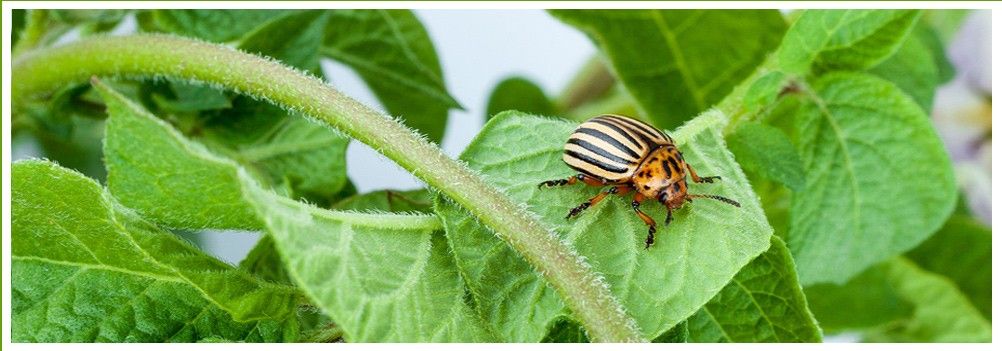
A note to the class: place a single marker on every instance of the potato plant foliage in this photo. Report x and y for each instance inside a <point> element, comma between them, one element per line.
<point>818,122</point>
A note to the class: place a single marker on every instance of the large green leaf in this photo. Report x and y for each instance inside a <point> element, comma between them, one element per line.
<point>392,52</point>
<point>87,269</point>
<point>763,303</point>
<point>823,40</point>
<point>677,63</point>
<point>878,181</point>
<point>379,276</point>
<point>692,259</point>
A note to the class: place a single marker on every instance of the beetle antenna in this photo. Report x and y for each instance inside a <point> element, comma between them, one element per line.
<point>715,197</point>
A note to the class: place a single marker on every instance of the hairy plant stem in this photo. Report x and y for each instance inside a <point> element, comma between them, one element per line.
<point>39,72</point>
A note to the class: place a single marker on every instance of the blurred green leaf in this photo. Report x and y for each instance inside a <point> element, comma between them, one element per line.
<point>678,63</point>
<point>19,18</point>
<point>394,55</point>
<point>942,312</point>
<point>211,25</point>
<point>87,269</point>
<point>866,301</point>
<point>962,252</point>
<point>519,94</point>
<point>917,67</point>
<point>765,150</point>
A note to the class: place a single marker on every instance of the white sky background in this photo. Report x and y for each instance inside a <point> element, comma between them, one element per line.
<point>477,49</point>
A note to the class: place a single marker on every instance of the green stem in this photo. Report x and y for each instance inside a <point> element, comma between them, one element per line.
<point>150,56</point>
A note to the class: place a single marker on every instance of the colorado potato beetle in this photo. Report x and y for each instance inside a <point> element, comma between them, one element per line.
<point>631,156</point>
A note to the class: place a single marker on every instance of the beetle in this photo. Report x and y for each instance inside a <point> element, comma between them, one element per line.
<point>631,156</point>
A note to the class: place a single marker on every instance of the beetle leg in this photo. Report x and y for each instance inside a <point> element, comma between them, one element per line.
<point>699,179</point>
<point>571,181</point>
<point>619,189</point>
<point>715,197</point>
<point>651,229</point>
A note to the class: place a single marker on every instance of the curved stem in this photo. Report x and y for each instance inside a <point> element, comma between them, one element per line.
<point>150,56</point>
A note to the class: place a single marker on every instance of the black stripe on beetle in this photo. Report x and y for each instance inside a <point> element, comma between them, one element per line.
<point>609,139</point>
<point>598,151</point>
<point>596,163</point>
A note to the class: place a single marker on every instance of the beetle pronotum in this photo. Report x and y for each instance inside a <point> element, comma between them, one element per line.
<point>630,156</point>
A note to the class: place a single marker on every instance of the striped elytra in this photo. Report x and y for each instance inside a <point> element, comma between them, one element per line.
<point>611,147</point>
<point>630,156</point>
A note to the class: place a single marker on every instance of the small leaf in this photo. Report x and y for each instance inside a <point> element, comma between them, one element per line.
<point>362,269</point>
<point>393,53</point>
<point>878,182</point>
<point>520,94</point>
<point>765,90</point>
<point>825,40</point>
<point>763,303</point>
<point>87,269</point>
<point>691,260</point>
<point>765,150</point>
<point>211,25</point>
<point>678,63</point>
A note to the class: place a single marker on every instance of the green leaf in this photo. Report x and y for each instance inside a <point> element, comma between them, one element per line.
<point>866,301</point>
<point>825,40</point>
<point>897,301</point>
<point>878,181</point>
<point>677,63</point>
<point>764,90</point>
<point>566,331</point>
<point>962,252</point>
<point>942,312</point>
<point>764,303</point>
<point>87,269</point>
<point>293,38</point>
<point>379,276</point>
<point>211,25</point>
<point>913,68</point>
<point>765,150</point>
<point>264,262</point>
<point>394,55</point>
<point>18,22</point>
<point>693,259</point>
<point>520,94</point>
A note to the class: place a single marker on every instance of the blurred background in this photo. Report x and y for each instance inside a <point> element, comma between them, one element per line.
<point>478,49</point>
